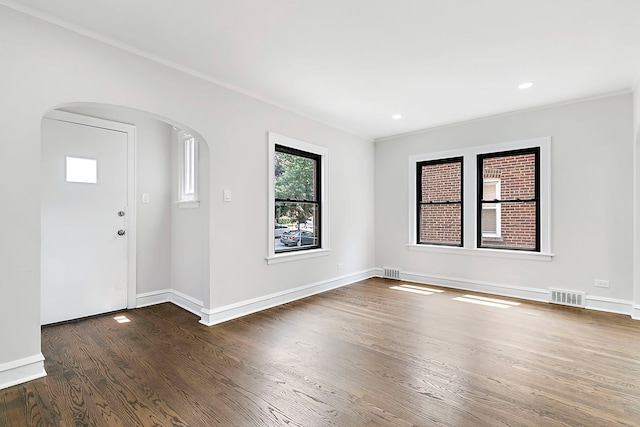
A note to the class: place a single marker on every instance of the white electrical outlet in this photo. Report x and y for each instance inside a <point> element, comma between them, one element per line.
<point>602,283</point>
<point>340,266</point>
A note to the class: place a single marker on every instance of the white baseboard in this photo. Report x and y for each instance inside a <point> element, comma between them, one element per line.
<point>170,295</point>
<point>22,370</point>
<point>610,305</point>
<point>243,308</point>
<point>222,314</point>
<point>533,294</point>
<point>153,298</point>
<point>593,302</point>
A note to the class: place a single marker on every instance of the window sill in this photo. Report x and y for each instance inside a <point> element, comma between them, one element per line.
<point>493,237</point>
<point>188,204</point>
<point>492,253</point>
<point>294,256</point>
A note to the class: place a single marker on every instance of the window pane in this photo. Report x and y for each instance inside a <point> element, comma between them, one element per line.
<point>489,192</point>
<point>440,202</point>
<point>490,211</point>
<point>441,182</point>
<point>441,224</point>
<point>510,178</point>
<point>295,177</point>
<point>489,220</point>
<point>302,219</point>
<point>516,174</point>
<point>82,170</point>
<point>518,227</point>
<point>297,194</point>
<point>189,166</point>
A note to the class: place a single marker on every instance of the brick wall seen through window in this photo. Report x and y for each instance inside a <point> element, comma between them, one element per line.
<point>440,202</point>
<point>518,200</point>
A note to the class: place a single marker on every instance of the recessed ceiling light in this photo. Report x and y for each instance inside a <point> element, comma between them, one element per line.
<point>396,116</point>
<point>525,85</point>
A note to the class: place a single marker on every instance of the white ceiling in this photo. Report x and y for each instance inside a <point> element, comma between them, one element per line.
<point>355,63</point>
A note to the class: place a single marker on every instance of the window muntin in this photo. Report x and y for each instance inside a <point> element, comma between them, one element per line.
<point>517,202</point>
<point>439,202</point>
<point>297,191</point>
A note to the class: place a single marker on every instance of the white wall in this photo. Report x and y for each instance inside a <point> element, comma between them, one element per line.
<point>636,148</point>
<point>591,202</point>
<point>154,222</point>
<point>239,228</point>
<point>190,232</point>
<point>46,66</point>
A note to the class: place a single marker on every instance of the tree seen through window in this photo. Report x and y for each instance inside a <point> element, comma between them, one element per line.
<point>297,196</point>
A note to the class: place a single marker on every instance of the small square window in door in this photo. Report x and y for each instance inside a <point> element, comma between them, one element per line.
<point>82,170</point>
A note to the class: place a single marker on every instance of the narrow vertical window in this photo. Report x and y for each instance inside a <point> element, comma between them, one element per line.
<point>189,188</point>
<point>188,169</point>
<point>297,198</point>
<point>491,212</point>
<point>509,200</point>
<point>440,202</point>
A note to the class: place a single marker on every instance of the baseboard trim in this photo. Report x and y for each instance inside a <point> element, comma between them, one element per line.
<point>233,311</point>
<point>610,305</point>
<point>153,298</point>
<point>170,295</point>
<point>22,370</point>
<point>593,302</point>
<point>532,294</point>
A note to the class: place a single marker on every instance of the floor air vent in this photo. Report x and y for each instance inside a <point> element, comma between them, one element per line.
<point>391,273</point>
<point>572,298</point>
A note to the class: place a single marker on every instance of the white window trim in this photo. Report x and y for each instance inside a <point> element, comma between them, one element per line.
<point>470,201</point>
<point>497,208</point>
<point>273,257</point>
<point>187,200</point>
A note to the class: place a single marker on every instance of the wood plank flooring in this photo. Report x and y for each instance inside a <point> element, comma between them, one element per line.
<point>368,354</point>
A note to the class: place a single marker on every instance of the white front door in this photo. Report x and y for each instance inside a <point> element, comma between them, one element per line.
<point>84,220</point>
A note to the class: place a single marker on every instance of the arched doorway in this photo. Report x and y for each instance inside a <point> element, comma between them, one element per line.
<point>168,251</point>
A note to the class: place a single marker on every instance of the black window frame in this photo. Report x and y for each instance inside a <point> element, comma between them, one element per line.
<point>480,202</point>
<point>317,193</point>
<point>420,203</point>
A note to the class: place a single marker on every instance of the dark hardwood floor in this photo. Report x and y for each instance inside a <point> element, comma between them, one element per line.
<point>363,355</point>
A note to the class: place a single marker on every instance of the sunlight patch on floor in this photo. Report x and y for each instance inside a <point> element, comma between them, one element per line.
<point>122,319</point>
<point>422,288</point>
<point>496,300</point>
<point>416,289</point>
<point>491,302</point>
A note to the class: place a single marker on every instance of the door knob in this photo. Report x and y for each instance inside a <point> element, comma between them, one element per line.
<point>121,232</point>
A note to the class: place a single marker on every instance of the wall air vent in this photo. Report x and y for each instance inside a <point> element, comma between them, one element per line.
<point>565,297</point>
<point>391,273</point>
